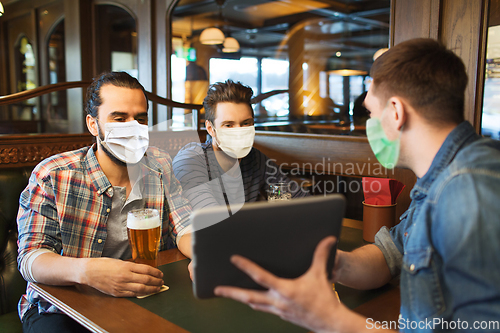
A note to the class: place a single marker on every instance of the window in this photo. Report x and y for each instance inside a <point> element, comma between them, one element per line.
<point>491,101</point>
<point>244,70</point>
<point>274,77</point>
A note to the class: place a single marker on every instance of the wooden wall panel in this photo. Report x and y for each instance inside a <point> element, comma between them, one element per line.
<point>4,77</point>
<point>463,30</point>
<point>494,13</point>
<point>458,24</point>
<point>414,19</point>
<point>29,150</point>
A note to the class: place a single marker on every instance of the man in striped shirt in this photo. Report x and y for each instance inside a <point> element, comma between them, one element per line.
<point>226,169</point>
<point>72,218</point>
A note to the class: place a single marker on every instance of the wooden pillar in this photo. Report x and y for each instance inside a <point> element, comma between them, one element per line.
<point>4,78</point>
<point>346,85</point>
<point>414,19</point>
<point>463,29</point>
<point>79,65</point>
<point>144,44</point>
<point>315,105</point>
<point>296,76</point>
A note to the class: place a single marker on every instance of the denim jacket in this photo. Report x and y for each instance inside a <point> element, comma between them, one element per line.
<point>446,247</point>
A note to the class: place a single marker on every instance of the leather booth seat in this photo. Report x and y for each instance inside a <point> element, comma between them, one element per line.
<point>12,284</point>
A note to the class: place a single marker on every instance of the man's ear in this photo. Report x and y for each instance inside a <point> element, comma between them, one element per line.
<point>209,128</point>
<point>399,108</point>
<point>92,125</point>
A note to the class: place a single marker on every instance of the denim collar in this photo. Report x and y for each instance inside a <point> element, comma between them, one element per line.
<point>461,135</point>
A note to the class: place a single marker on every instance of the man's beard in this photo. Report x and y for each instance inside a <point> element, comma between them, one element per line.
<point>113,158</point>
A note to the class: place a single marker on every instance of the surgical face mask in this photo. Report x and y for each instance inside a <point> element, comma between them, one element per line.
<point>386,151</point>
<point>126,141</point>
<point>235,142</point>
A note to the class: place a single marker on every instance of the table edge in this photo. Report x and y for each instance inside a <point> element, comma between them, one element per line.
<point>67,310</point>
<point>169,256</point>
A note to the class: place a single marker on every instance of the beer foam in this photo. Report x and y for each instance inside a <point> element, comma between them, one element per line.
<point>135,222</point>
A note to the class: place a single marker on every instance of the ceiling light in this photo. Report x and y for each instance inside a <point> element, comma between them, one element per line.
<point>348,72</point>
<point>230,45</point>
<point>1,9</point>
<point>345,67</point>
<point>212,36</point>
<point>338,54</point>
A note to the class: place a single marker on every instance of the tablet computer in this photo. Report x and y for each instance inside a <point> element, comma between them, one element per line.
<point>280,237</point>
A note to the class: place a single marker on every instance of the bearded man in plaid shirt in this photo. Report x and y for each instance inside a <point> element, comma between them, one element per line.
<point>72,215</point>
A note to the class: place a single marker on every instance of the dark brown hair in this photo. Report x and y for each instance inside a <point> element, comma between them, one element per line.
<point>229,91</point>
<point>118,79</point>
<point>429,76</point>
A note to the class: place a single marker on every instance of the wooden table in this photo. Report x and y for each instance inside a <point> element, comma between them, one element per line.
<point>102,313</point>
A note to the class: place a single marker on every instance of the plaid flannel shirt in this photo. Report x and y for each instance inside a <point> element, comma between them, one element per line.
<point>66,204</point>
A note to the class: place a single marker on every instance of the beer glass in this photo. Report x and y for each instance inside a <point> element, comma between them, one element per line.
<point>278,191</point>
<point>144,233</point>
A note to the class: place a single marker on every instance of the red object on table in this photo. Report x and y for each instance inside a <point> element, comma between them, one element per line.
<point>381,191</point>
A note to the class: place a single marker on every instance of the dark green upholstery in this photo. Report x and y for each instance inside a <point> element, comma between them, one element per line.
<point>12,284</point>
<point>10,323</point>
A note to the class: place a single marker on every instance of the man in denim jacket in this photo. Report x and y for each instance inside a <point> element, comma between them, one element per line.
<point>446,248</point>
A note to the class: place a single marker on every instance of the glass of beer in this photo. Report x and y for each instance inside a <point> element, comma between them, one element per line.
<point>278,191</point>
<point>144,233</point>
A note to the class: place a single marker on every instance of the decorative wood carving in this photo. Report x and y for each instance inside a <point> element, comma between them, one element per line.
<point>20,151</point>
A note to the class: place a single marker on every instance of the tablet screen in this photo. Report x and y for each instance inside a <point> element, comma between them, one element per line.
<point>280,237</point>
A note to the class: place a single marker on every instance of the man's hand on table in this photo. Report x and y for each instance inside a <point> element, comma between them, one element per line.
<point>111,276</point>
<point>308,301</point>
<point>121,278</point>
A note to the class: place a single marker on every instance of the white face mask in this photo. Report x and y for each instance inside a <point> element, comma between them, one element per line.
<point>236,142</point>
<point>126,141</point>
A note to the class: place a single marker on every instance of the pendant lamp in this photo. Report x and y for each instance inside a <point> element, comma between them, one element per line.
<point>230,45</point>
<point>212,36</point>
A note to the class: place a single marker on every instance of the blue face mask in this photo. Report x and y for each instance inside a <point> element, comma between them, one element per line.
<point>386,151</point>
